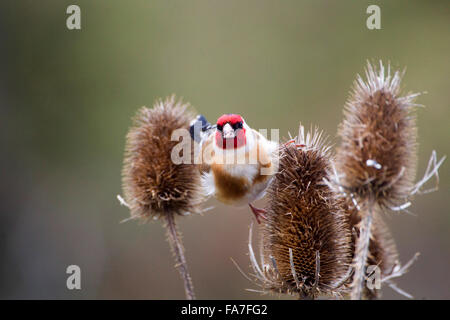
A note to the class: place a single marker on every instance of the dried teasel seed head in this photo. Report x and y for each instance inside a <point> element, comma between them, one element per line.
<point>153,184</point>
<point>377,156</point>
<point>306,238</point>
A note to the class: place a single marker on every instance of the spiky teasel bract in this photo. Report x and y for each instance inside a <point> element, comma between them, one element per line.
<point>306,238</point>
<point>154,185</point>
<point>377,155</point>
<point>382,249</point>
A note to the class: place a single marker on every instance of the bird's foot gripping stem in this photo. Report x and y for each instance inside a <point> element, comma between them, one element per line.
<point>259,213</point>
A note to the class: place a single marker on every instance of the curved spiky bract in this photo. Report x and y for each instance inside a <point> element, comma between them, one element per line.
<point>152,183</point>
<point>377,156</point>
<point>306,238</point>
<point>382,251</point>
<point>382,248</point>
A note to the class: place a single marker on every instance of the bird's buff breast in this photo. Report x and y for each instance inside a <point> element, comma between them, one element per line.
<point>236,185</point>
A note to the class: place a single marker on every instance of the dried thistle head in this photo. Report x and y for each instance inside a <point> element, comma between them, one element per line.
<point>377,156</point>
<point>306,238</point>
<point>153,184</point>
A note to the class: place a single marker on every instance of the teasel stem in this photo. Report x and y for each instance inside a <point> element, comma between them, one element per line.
<point>362,250</point>
<point>178,251</point>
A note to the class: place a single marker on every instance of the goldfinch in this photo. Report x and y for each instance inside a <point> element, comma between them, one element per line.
<point>237,162</point>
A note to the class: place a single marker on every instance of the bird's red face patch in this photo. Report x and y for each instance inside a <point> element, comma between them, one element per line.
<point>237,123</point>
<point>229,118</point>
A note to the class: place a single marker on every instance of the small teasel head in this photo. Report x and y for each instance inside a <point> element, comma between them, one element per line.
<point>377,156</point>
<point>153,184</point>
<point>306,238</point>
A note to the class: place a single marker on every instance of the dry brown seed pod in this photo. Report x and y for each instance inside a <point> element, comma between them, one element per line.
<point>376,162</point>
<point>154,185</point>
<point>377,156</point>
<point>306,238</point>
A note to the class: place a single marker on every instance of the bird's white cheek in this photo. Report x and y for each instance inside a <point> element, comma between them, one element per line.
<point>228,132</point>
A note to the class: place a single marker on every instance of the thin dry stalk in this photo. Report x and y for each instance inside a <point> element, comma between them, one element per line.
<point>178,251</point>
<point>361,253</point>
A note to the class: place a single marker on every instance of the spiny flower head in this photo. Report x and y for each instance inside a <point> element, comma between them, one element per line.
<point>377,156</point>
<point>153,184</point>
<point>306,239</point>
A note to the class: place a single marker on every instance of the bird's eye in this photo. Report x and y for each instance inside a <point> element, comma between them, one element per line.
<point>219,127</point>
<point>237,125</point>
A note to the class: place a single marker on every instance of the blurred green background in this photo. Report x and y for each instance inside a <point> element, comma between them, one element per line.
<point>66,99</point>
